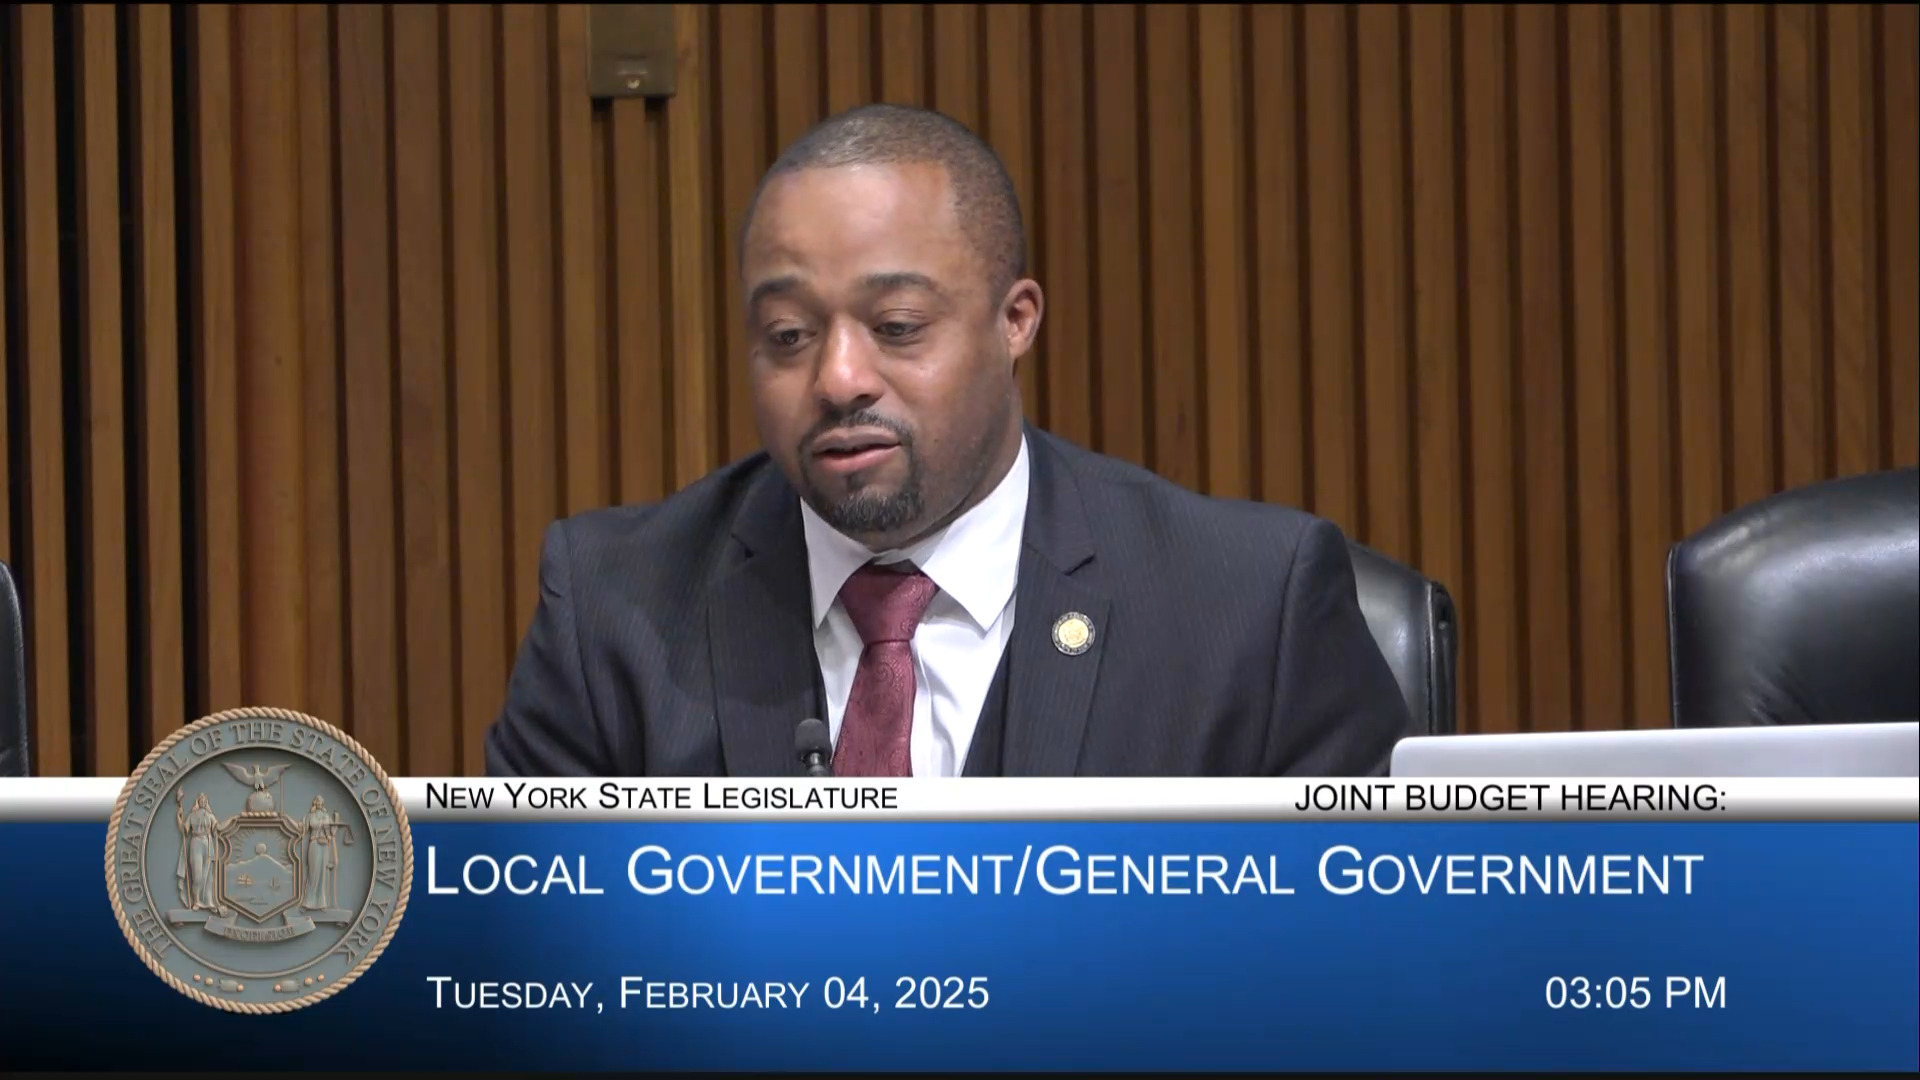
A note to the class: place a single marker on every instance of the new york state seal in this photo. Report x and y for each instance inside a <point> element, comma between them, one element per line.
<point>259,860</point>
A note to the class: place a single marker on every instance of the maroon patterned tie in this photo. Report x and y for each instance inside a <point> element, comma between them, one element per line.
<point>876,732</point>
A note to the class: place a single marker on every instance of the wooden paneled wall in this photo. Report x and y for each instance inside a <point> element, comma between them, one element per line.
<point>315,316</point>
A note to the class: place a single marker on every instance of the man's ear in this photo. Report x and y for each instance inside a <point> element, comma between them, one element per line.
<point>1020,315</point>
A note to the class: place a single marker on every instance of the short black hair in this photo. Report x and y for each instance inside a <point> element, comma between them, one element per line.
<point>984,199</point>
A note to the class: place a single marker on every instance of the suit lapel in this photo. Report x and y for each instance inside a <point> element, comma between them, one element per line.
<point>760,631</point>
<point>1049,692</point>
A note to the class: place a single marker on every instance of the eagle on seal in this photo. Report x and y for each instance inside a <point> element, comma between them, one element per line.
<point>259,777</point>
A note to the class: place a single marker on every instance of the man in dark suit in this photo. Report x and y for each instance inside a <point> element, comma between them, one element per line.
<point>952,591</point>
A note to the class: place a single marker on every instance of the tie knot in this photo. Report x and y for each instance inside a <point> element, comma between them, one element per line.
<point>886,605</point>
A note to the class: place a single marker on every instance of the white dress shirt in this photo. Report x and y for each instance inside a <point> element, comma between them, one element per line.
<point>957,649</point>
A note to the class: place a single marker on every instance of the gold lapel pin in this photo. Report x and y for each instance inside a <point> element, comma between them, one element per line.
<point>1073,633</point>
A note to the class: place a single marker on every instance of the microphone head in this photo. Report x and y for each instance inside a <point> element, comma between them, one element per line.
<point>812,737</point>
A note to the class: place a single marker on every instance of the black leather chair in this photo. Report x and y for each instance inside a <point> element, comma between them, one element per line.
<point>1802,608</point>
<point>13,682</point>
<point>1413,622</point>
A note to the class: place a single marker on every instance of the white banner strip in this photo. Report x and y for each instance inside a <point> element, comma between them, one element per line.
<point>1085,799</point>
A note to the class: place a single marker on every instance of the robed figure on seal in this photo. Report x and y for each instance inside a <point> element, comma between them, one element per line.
<point>197,864</point>
<point>322,833</point>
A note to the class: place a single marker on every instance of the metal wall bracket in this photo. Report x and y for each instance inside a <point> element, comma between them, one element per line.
<point>630,50</point>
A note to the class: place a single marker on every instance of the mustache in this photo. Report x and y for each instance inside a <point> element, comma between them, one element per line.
<point>859,418</point>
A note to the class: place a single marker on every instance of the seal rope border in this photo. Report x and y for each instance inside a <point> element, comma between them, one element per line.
<point>406,863</point>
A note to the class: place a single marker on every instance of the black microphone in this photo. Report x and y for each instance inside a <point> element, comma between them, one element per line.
<point>814,745</point>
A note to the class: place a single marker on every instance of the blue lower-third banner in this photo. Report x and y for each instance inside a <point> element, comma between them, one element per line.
<point>887,945</point>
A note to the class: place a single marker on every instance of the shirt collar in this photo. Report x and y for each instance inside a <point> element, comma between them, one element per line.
<point>974,559</point>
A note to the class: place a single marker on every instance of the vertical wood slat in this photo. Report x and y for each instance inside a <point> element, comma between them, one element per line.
<point>1173,372</point>
<point>419,245</point>
<point>1851,268</point>
<point>1119,254</point>
<point>639,289</point>
<point>955,57</point>
<point>742,95</point>
<point>689,126</point>
<point>1698,358</point>
<point>104,666</point>
<point>7,492</point>
<point>326,637</point>
<point>43,578</point>
<point>600,138</point>
<point>1494,639</point>
<point>1432,79</point>
<point>1278,275</point>
<point>1064,264</point>
<point>1649,523</point>
<point>1541,351</point>
<point>1799,296</point>
<point>1381,245</point>
<point>1900,232</point>
<point>586,410</point>
<point>270,375</point>
<point>1748,256</point>
<point>901,36</point>
<point>795,64</point>
<point>217,362</point>
<point>42,572</point>
<point>1223,270</point>
<point>160,552</point>
<point>374,586</point>
<point>1335,449</point>
<point>1599,582</point>
<point>486,625</point>
<point>1009,128</point>
<point>526,134</point>
<point>846,49</point>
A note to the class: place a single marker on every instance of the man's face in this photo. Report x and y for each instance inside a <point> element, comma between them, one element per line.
<point>882,361</point>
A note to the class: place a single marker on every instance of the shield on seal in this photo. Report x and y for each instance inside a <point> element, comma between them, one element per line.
<point>260,881</point>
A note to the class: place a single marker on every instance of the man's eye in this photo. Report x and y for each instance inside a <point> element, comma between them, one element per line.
<point>895,329</point>
<point>786,339</point>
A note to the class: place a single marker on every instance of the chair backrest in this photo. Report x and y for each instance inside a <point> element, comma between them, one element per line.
<point>1802,608</point>
<point>14,759</point>
<point>1412,620</point>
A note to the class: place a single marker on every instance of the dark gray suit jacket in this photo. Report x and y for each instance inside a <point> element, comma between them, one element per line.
<point>676,639</point>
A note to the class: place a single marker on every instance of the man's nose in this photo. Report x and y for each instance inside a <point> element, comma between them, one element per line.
<point>848,376</point>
